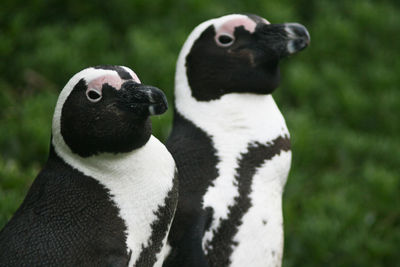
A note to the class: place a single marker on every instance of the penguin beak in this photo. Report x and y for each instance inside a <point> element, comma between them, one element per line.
<point>142,99</point>
<point>283,39</point>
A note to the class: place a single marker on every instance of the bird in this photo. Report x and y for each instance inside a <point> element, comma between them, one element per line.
<point>108,192</point>
<point>230,142</point>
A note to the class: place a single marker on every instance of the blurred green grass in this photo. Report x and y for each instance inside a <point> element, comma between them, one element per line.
<point>340,98</point>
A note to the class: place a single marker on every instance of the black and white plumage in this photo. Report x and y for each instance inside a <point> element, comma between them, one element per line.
<point>108,192</point>
<point>230,143</point>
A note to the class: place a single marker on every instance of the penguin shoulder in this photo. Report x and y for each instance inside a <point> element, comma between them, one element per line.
<point>150,160</point>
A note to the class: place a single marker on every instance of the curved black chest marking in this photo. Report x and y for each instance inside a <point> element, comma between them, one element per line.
<point>221,246</point>
<point>196,161</point>
<point>66,219</point>
<point>123,74</point>
<point>159,227</point>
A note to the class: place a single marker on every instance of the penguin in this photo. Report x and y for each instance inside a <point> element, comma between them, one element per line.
<point>230,142</point>
<point>108,192</point>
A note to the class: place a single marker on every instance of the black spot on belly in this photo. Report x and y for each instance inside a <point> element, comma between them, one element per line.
<point>220,248</point>
<point>123,74</point>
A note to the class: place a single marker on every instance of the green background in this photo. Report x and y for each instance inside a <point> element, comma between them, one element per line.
<point>340,98</point>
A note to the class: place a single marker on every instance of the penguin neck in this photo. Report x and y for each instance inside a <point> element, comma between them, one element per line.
<point>101,162</point>
<point>137,166</point>
<point>138,182</point>
<point>253,116</point>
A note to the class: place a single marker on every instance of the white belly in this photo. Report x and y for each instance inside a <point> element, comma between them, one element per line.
<point>260,237</point>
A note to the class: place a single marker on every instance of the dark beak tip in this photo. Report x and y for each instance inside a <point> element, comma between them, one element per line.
<point>143,99</point>
<point>303,43</point>
<point>157,109</point>
<point>294,30</point>
<point>298,37</point>
<point>160,106</point>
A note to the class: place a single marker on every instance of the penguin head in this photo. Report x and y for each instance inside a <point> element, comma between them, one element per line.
<point>105,109</point>
<point>237,54</point>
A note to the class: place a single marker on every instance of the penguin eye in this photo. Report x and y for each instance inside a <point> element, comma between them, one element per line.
<point>225,40</point>
<point>93,95</point>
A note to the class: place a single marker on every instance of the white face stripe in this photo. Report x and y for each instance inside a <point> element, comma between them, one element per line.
<point>132,73</point>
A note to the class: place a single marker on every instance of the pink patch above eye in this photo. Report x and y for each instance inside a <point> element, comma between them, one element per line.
<point>112,80</point>
<point>229,26</point>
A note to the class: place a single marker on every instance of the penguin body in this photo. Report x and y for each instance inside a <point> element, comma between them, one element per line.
<point>231,143</point>
<point>108,192</point>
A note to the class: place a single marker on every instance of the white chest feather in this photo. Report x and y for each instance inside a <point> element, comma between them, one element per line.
<point>138,182</point>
